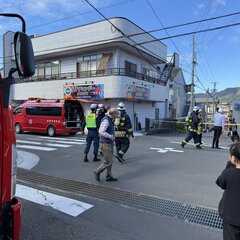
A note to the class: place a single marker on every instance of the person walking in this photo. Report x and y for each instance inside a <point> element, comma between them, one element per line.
<point>219,122</point>
<point>200,126</point>
<point>234,132</point>
<point>92,136</point>
<point>192,125</point>
<point>106,132</point>
<point>229,208</point>
<point>123,132</point>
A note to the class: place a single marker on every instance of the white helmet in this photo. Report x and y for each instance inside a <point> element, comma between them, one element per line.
<point>220,110</point>
<point>100,106</point>
<point>93,106</point>
<point>196,108</point>
<point>121,106</point>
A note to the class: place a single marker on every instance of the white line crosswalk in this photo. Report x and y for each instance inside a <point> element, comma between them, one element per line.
<point>43,143</point>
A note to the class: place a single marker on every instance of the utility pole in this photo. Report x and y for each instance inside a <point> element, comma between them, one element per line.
<point>193,72</point>
<point>206,120</point>
<point>214,96</point>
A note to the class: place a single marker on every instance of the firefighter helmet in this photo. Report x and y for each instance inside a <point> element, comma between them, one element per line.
<point>100,106</point>
<point>121,106</point>
<point>196,109</point>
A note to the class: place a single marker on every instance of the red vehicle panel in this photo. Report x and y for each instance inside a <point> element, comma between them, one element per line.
<point>53,117</point>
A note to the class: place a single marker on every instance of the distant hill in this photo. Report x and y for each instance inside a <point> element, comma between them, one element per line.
<point>226,94</point>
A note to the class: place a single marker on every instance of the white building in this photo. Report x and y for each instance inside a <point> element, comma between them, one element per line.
<point>96,61</point>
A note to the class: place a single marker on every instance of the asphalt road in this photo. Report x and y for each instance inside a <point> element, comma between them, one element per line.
<point>156,166</point>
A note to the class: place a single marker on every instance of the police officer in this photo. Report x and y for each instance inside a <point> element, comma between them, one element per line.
<point>192,128</point>
<point>92,125</point>
<point>123,132</point>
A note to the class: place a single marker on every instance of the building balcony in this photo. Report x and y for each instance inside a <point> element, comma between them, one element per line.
<point>97,73</point>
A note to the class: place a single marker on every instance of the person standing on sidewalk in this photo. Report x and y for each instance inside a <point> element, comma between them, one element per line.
<point>219,122</point>
<point>229,207</point>
<point>106,132</point>
<point>91,124</point>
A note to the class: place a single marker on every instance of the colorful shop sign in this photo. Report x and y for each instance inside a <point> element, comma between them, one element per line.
<point>93,91</point>
<point>134,91</point>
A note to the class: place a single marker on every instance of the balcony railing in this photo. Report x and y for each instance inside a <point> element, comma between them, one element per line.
<point>97,73</point>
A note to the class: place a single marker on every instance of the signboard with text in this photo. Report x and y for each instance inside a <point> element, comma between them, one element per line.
<point>86,91</point>
<point>134,91</point>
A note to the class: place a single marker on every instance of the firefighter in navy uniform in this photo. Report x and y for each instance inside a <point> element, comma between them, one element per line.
<point>123,132</point>
<point>92,125</point>
<point>193,122</point>
<point>200,126</point>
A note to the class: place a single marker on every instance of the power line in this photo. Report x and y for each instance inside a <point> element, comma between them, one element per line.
<point>185,24</point>
<point>190,33</point>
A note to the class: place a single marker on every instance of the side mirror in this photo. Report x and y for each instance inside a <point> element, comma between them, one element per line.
<point>24,55</point>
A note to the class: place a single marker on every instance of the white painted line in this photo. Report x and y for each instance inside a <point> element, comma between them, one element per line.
<point>68,142</point>
<point>30,142</point>
<point>164,150</point>
<point>26,160</point>
<point>204,145</point>
<point>67,205</point>
<point>36,147</point>
<point>57,145</point>
<point>66,139</point>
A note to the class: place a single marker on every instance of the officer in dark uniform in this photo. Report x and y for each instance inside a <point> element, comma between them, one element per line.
<point>193,123</point>
<point>123,132</point>
<point>92,125</point>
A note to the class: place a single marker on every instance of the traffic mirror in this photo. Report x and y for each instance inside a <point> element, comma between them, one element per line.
<point>24,55</point>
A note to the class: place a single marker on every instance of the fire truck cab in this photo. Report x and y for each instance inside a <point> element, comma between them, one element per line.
<point>10,207</point>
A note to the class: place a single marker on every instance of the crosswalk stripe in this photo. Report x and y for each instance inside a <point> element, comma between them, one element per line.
<point>68,142</point>
<point>36,147</point>
<point>30,142</point>
<point>66,139</point>
<point>57,145</point>
<point>67,205</point>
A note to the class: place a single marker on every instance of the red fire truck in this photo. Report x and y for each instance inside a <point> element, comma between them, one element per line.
<point>10,208</point>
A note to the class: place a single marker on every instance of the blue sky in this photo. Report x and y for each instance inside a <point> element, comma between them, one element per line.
<point>217,52</point>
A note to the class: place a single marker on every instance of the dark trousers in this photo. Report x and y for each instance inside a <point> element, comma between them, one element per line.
<point>193,135</point>
<point>230,232</point>
<point>92,137</point>
<point>122,145</point>
<point>235,136</point>
<point>216,136</point>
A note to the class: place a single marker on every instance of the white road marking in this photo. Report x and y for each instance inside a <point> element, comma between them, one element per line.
<point>68,142</point>
<point>30,142</point>
<point>204,145</point>
<point>66,139</point>
<point>36,147</point>
<point>67,205</point>
<point>57,145</point>
<point>26,160</point>
<point>164,150</point>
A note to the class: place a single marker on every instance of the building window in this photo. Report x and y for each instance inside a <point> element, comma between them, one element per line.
<point>130,69</point>
<point>47,70</point>
<point>87,65</point>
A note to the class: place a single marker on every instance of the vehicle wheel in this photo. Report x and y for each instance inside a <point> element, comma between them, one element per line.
<point>51,131</point>
<point>72,133</point>
<point>18,128</point>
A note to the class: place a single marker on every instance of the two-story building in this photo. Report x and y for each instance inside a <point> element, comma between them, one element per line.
<point>98,62</point>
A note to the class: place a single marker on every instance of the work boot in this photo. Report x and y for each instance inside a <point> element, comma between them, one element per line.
<point>182,144</point>
<point>198,147</point>
<point>96,159</point>
<point>111,179</point>
<point>119,158</point>
<point>85,158</point>
<point>97,176</point>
